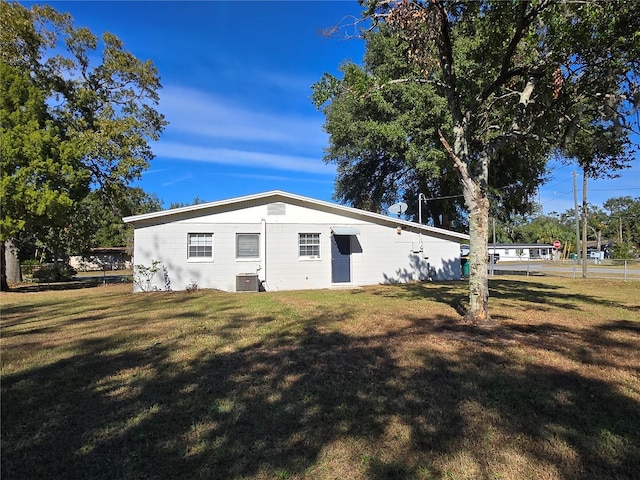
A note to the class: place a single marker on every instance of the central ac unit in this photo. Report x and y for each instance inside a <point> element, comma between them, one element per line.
<point>247,282</point>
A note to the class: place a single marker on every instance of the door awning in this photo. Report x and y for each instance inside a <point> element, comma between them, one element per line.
<point>345,231</point>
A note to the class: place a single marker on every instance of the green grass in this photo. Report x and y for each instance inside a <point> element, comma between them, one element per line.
<point>374,383</point>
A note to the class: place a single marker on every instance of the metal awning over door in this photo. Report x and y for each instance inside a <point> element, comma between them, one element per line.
<point>345,231</point>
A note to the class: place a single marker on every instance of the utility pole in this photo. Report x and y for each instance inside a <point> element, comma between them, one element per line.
<point>421,197</point>
<point>575,211</point>
<point>584,224</point>
<point>620,228</point>
<point>493,258</point>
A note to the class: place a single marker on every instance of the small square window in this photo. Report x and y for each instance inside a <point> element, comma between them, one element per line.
<point>309,245</point>
<point>248,245</point>
<point>200,245</point>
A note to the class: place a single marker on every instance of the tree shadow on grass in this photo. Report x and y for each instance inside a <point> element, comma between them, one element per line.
<point>322,404</point>
<point>538,295</point>
<point>542,294</point>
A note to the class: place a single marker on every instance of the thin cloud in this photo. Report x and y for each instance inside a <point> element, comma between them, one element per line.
<point>178,180</point>
<point>198,114</point>
<point>242,158</point>
<point>280,178</point>
<point>156,170</point>
<point>287,82</point>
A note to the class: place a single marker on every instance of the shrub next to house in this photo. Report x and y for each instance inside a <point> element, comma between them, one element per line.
<point>60,272</point>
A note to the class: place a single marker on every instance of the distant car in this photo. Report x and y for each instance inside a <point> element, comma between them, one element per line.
<point>494,257</point>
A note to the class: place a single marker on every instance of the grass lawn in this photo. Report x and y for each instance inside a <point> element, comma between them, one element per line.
<point>374,383</point>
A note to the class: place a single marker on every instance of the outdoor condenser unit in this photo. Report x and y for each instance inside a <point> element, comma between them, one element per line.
<point>247,282</point>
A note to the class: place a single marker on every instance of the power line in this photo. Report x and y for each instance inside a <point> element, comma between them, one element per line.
<point>554,184</point>
<point>442,198</point>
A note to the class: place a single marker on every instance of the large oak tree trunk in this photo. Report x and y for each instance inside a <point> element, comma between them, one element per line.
<point>475,197</point>
<point>11,272</point>
<point>478,312</point>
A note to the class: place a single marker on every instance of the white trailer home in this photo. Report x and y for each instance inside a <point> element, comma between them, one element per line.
<point>281,241</point>
<point>518,252</point>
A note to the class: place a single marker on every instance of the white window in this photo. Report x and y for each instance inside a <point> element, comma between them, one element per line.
<point>309,245</point>
<point>248,245</point>
<point>200,245</point>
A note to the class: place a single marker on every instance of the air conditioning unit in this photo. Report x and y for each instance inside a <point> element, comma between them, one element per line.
<point>247,282</point>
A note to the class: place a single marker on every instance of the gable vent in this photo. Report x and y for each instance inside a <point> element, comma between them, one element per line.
<point>277,209</point>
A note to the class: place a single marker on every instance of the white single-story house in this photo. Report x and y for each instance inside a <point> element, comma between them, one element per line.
<point>102,258</point>
<point>514,252</point>
<point>281,241</point>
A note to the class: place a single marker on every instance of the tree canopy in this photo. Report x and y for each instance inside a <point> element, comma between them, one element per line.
<point>385,141</point>
<point>78,114</point>
<point>499,85</point>
<point>615,228</point>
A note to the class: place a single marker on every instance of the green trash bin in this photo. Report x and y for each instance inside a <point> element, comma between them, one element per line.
<point>466,267</point>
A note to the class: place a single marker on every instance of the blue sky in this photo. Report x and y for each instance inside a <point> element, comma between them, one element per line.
<point>237,82</point>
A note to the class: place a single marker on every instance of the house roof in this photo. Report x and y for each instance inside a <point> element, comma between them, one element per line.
<point>109,250</point>
<point>280,196</point>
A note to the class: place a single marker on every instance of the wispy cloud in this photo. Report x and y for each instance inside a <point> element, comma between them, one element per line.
<point>155,170</point>
<point>280,178</point>
<point>300,84</point>
<point>183,151</point>
<point>197,114</point>
<point>184,178</point>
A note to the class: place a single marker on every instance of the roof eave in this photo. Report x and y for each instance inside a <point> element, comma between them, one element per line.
<point>199,206</point>
<point>284,195</point>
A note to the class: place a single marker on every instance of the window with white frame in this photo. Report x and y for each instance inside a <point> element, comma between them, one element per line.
<point>200,246</point>
<point>309,245</point>
<point>248,245</point>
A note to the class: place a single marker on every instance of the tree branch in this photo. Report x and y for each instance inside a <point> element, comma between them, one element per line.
<point>525,98</point>
<point>524,22</point>
<point>408,80</point>
<point>461,166</point>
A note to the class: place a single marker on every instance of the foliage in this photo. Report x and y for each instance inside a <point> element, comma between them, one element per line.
<point>623,223</point>
<point>381,138</point>
<point>617,223</point>
<point>77,113</point>
<point>96,222</point>
<point>546,229</point>
<point>509,84</point>
<point>385,142</point>
<point>625,250</point>
<point>196,201</point>
<point>54,272</point>
<point>166,278</point>
<point>143,275</point>
<point>41,182</point>
<point>105,215</point>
